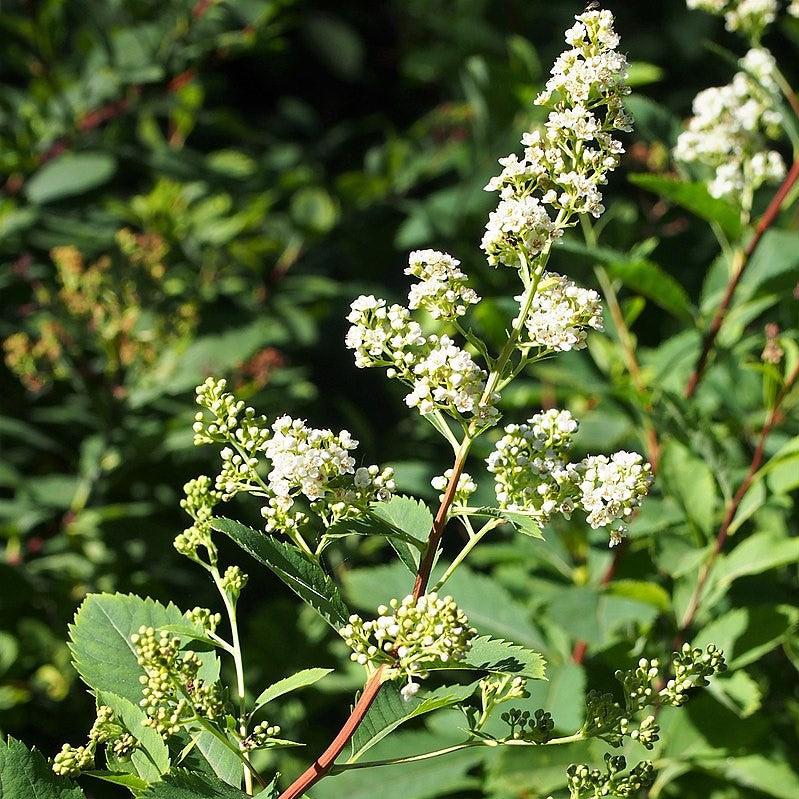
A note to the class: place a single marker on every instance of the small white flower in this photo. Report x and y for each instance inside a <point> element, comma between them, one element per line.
<point>409,690</point>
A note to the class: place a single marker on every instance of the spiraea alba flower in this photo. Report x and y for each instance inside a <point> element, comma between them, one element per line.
<point>566,163</point>
<point>533,475</point>
<point>747,17</point>
<point>561,314</point>
<point>442,289</point>
<point>440,374</point>
<point>730,131</point>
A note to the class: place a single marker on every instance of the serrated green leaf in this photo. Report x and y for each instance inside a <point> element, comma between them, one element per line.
<point>406,523</point>
<point>695,198</point>
<point>102,651</point>
<point>25,774</point>
<point>390,710</point>
<point>301,679</point>
<point>181,784</point>
<point>299,572</point>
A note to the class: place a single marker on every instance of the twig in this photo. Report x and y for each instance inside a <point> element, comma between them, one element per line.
<point>772,419</point>
<point>742,260</point>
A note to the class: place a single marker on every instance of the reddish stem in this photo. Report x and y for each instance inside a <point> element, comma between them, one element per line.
<point>322,765</point>
<point>772,419</point>
<point>766,221</point>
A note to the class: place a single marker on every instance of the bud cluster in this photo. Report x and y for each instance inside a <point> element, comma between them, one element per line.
<point>609,720</point>
<point>106,730</point>
<point>261,737</point>
<point>199,502</point>
<point>587,783</point>
<point>411,635</point>
<point>204,619</point>
<point>692,669</point>
<point>465,488</point>
<point>172,693</point>
<point>535,728</point>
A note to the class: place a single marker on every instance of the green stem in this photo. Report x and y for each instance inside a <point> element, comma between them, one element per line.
<point>338,769</point>
<point>235,651</point>
<point>473,541</point>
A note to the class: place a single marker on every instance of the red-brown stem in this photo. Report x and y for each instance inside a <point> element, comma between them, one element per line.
<point>772,419</point>
<point>322,765</point>
<point>325,761</point>
<point>739,267</point>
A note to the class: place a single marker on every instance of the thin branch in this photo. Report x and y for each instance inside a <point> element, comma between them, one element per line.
<point>323,764</point>
<point>773,418</point>
<point>740,264</point>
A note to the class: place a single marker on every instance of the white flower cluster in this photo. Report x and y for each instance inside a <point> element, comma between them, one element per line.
<point>440,374</point>
<point>567,162</point>
<point>793,8</point>
<point>442,289</point>
<point>611,488</point>
<point>411,636</point>
<point>533,475</point>
<point>302,462</point>
<point>749,17</point>
<point>730,130</point>
<point>530,467</point>
<point>560,314</point>
<point>520,227</point>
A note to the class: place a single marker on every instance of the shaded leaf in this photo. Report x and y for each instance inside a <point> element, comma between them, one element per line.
<point>695,198</point>
<point>68,175</point>
<point>25,774</point>
<point>299,572</point>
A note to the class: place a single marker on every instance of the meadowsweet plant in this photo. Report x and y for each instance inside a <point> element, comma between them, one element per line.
<point>168,717</point>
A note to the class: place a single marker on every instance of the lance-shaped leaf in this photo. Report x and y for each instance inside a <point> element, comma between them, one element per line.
<point>694,197</point>
<point>298,571</point>
<point>301,679</point>
<point>390,711</point>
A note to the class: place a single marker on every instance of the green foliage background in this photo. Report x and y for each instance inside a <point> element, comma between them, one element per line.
<point>287,155</point>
